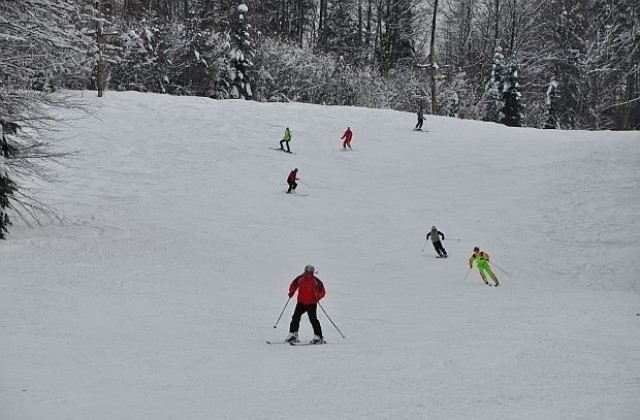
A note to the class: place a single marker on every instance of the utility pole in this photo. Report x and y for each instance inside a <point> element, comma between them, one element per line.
<point>431,65</point>
<point>99,33</point>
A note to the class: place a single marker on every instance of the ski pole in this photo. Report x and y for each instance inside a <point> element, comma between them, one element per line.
<point>285,307</point>
<point>304,183</point>
<point>498,267</point>
<point>425,244</point>
<point>468,271</point>
<point>327,315</point>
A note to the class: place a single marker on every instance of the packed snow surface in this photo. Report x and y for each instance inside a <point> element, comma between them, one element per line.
<point>155,296</point>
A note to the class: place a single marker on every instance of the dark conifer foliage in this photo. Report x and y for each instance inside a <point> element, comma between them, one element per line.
<point>7,189</point>
<point>241,55</point>
<point>511,112</point>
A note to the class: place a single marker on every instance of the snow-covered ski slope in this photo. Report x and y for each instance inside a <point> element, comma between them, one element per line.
<point>154,299</point>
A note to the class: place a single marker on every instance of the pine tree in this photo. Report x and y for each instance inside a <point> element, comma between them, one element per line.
<point>511,112</point>
<point>199,60</point>
<point>448,103</point>
<point>241,55</point>
<point>7,188</point>
<point>140,67</point>
<point>551,113</point>
<point>339,33</point>
<point>493,101</point>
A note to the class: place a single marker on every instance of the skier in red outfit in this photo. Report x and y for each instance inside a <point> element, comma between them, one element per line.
<point>310,290</point>
<point>347,138</point>
<point>291,180</point>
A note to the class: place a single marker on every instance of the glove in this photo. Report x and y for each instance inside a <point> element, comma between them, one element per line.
<point>290,295</point>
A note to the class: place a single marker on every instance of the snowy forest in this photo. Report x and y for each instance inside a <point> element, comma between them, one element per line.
<point>567,64</point>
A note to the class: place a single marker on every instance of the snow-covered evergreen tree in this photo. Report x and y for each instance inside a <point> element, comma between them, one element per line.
<point>241,56</point>
<point>493,101</point>
<point>7,186</point>
<point>551,106</point>
<point>7,189</point>
<point>454,96</point>
<point>339,32</point>
<point>448,103</point>
<point>193,64</point>
<point>199,59</point>
<point>341,84</point>
<point>140,66</point>
<point>511,112</point>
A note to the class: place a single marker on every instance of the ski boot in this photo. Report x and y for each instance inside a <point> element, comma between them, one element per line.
<point>317,340</point>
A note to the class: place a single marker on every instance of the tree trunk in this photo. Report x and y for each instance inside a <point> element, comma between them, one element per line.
<point>496,32</point>
<point>322,37</point>
<point>367,37</point>
<point>100,64</point>
<point>514,29</point>
<point>300,23</point>
<point>432,54</point>
<point>359,40</point>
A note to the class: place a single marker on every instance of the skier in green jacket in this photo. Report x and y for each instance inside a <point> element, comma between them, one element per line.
<point>482,262</point>
<point>285,140</point>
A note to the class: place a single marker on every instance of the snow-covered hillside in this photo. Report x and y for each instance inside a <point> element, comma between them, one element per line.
<point>154,299</point>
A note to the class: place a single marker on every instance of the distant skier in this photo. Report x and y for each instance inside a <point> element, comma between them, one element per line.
<point>285,140</point>
<point>347,136</point>
<point>482,261</point>
<point>310,290</point>
<point>291,180</point>
<point>420,119</point>
<point>435,235</point>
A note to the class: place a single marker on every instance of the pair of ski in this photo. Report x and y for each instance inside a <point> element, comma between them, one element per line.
<point>282,150</point>
<point>297,343</point>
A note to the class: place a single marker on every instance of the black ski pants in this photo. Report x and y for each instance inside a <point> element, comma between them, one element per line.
<point>285,143</point>
<point>437,245</point>
<point>292,186</point>
<point>311,310</point>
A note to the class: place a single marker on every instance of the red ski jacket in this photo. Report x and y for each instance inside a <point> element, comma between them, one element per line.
<point>292,177</point>
<point>347,135</point>
<point>310,289</point>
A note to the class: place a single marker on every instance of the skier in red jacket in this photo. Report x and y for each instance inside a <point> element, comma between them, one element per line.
<point>291,180</point>
<point>347,138</point>
<point>310,290</point>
